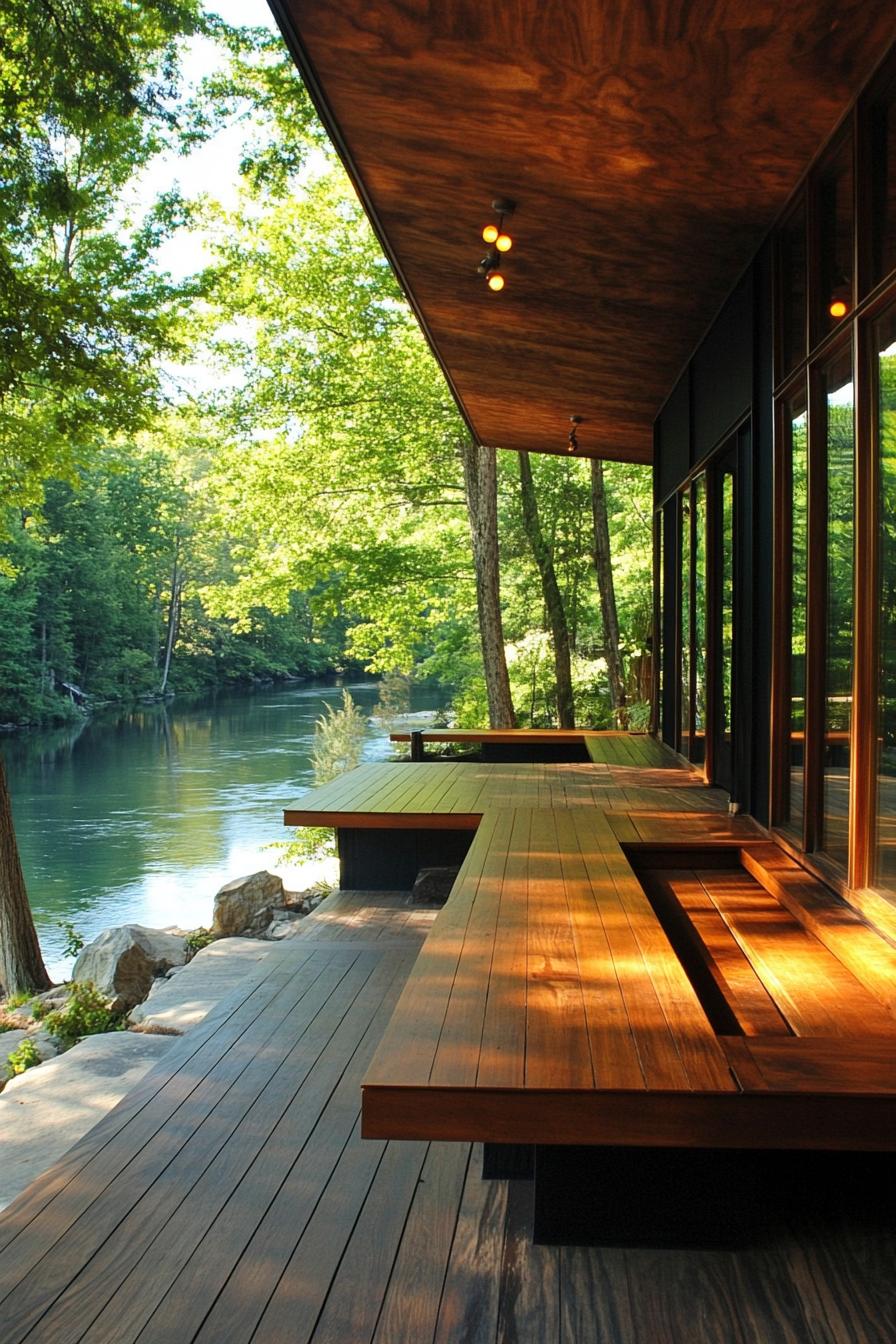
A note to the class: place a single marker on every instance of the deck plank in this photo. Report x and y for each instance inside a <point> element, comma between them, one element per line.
<point>199,1161</point>
<point>815,991</point>
<point>328,1237</point>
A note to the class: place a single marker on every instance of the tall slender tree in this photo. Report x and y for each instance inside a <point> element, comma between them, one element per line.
<point>553,598</point>
<point>481,482</point>
<point>606,587</point>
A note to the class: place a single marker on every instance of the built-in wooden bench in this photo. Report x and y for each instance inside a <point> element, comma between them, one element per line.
<point>431,810</point>
<point>549,1000</point>
<point>601,746</point>
<point>557,1002</point>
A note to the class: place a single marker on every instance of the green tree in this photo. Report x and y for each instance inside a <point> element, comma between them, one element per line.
<point>87,98</point>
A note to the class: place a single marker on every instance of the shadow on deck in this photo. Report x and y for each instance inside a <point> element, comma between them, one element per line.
<point>231,1198</point>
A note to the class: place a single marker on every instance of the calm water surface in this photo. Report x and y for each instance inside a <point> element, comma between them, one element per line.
<point>139,817</point>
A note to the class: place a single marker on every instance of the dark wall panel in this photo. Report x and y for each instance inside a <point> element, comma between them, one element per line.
<point>674,440</point>
<point>722,372</point>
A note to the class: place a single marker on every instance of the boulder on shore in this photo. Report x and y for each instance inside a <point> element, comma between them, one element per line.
<point>123,962</point>
<point>238,902</point>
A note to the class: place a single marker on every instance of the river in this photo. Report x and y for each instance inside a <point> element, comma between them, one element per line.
<point>139,816</point>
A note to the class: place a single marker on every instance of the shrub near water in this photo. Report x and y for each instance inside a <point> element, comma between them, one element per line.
<point>87,1013</point>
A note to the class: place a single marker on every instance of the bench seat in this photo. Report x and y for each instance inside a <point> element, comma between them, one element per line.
<point>549,1006</point>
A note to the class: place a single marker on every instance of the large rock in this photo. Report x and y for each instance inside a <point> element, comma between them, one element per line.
<point>123,962</point>
<point>44,1111</point>
<point>238,902</point>
<point>433,886</point>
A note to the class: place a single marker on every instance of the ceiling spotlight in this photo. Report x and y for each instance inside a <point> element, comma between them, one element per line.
<point>571,439</point>
<point>498,242</point>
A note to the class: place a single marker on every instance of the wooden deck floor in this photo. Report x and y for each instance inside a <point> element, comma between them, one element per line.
<point>230,1198</point>
<point>455,795</point>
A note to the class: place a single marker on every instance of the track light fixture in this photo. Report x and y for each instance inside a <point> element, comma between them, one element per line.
<point>571,439</point>
<point>499,242</point>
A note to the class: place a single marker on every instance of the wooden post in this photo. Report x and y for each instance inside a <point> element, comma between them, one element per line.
<point>417,752</point>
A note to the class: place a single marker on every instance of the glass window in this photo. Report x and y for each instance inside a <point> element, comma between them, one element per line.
<point>726,605</point>
<point>797,469</point>
<point>685,689</point>
<point>833,299</point>
<point>885,840</point>
<point>698,740</point>
<point>840,443</point>
<point>658,643</point>
<point>792,291</point>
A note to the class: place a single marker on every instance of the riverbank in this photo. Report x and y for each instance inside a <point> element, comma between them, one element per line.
<point>140,816</point>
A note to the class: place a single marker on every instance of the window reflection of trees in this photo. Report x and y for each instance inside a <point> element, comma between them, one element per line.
<point>840,603</point>
<point>798,571</point>
<point>886,802</point>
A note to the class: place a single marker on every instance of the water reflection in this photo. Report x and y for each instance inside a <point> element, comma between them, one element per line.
<point>139,816</point>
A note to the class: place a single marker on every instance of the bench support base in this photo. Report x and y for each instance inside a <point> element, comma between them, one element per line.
<point>697,1197</point>
<point>382,859</point>
<point>508,1161</point>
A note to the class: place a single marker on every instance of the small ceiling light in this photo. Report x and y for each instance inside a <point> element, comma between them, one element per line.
<point>571,439</point>
<point>498,243</point>
<point>840,299</point>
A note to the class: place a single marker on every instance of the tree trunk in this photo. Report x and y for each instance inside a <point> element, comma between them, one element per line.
<point>553,599</point>
<point>177,584</point>
<point>481,482</point>
<point>21,964</point>
<point>604,570</point>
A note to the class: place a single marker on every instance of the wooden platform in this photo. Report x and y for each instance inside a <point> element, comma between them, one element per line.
<point>230,1198</point>
<point>434,795</point>
<point>598,745</point>
<point>551,1005</point>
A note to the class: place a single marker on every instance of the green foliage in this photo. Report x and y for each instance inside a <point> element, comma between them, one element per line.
<point>309,843</point>
<point>25,1056</point>
<point>307,516</point>
<point>393,700</point>
<point>17,1000</point>
<point>74,941</point>
<point>87,1013</point>
<point>197,940</point>
<point>338,740</point>
<point>87,93</point>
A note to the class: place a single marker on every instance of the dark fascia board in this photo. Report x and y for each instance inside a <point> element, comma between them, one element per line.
<point>305,67</point>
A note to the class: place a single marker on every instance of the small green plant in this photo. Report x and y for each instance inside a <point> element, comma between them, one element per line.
<point>38,1010</point>
<point>308,842</point>
<point>338,740</point>
<point>639,716</point>
<point>198,939</point>
<point>87,1013</point>
<point>74,940</point>
<point>25,1056</point>
<point>16,1000</point>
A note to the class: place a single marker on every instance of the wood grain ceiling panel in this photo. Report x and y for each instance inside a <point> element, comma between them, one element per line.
<point>649,145</point>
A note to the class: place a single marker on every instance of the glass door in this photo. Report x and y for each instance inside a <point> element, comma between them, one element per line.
<point>721,541</point>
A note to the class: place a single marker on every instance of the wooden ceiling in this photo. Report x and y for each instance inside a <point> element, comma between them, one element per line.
<point>649,145</point>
